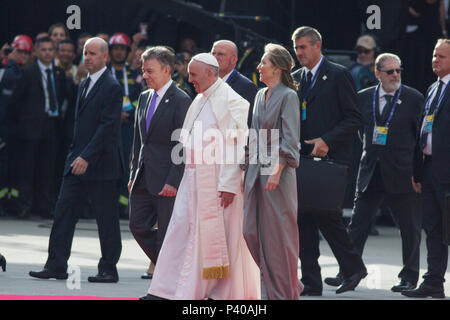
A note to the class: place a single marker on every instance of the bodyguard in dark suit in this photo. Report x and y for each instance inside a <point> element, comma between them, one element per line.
<point>92,168</point>
<point>432,172</point>
<point>330,116</point>
<point>226,53</point>
<point>154,178</point>
<point>35,113</point>
<point>386,167</point>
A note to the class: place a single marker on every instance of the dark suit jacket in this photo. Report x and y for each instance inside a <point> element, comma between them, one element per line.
<point>332,111</point>
<point>396,157</point>
<point>246,89</point>
<point>27,105</point>
<point>152,151</point>
<point>440,142</point>
<point>96,136</point>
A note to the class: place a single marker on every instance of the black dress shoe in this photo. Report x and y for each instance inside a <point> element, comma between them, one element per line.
<point>311,291</point>
<point>351,282</point>
<point>403,285</point>
<point>334,282</point>
<point>104,278</point>
<point>425,291</point>
<point>48,274</point>
<point>147,276</point>
<point>151,297</point>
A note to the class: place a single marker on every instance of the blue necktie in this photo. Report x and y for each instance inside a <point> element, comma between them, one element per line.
<point>151,110</point>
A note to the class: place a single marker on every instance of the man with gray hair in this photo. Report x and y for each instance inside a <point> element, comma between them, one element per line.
<point>391,113</point>
<point>204,254</point>
<point>93,167</point>
<point>154,178</point>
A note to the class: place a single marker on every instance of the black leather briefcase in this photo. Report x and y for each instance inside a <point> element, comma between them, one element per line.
<point>446,220</point>
<point>322,184</point>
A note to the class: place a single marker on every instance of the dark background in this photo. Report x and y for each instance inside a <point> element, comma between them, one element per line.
<point>339,21</point>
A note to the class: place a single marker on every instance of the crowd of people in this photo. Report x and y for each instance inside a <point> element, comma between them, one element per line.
<point>104,133</point>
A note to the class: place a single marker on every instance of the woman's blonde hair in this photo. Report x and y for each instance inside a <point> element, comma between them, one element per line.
<point>282,59</point>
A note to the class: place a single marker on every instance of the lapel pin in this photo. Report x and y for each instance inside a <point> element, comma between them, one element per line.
<point>324,77</point>
<point>399,101</point>
<point>167,100</point>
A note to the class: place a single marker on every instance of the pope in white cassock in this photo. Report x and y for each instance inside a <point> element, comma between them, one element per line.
<point>204,254</point>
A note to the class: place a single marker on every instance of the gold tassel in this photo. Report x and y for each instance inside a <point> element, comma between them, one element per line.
<point>216,272</point>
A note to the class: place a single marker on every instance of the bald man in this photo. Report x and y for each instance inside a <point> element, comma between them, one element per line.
<point>93,166</point>
<point>226,53</point>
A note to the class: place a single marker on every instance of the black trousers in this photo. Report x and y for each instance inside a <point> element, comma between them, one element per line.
<point>333,229</point>
<point>145,210</point>
<point>433,194</point>
<point>103,194</point>
<point>405,212</point>
<point>36,170</point>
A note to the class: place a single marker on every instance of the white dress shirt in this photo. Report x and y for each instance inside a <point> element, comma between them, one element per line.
<point>428,149</point>
<point>161,92</point>
<point>94,77</point>
<point>43,69</point>
<point>382,102</point>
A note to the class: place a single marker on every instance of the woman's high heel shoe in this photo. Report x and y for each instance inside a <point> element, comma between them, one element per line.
<point>3,263</point>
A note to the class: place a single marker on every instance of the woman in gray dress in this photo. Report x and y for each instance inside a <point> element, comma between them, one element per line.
<point>270,186</point>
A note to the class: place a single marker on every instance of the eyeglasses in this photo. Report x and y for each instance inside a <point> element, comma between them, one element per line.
<point>389,72</point>
<point>365,51</point>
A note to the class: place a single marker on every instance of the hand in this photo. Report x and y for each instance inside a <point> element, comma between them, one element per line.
<point>168,191</point>
<point>417,186</point>
<point>320,147</point>
<point>226,198</point>
<point>272,182</point>
<point>79,166</point>
<point>14,55</point>
<point>3,51</point>
<point>124,117</point>
<point>138,37</point>
<point>129,185</point>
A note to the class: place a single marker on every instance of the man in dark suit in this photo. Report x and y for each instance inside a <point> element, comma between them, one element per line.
<point>93,167</point>
<point>386,167</point>
<point>226,53</point>
<point>35,113</point>
<point>432,171</point>
<point>154,178</point>
<point>330,116</point>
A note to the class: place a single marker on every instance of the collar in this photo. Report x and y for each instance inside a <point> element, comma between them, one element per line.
<point>225,77</point>
<point>95,76</point>
<point>314,69</point>
<point>162,91</point>
<point>382,93</point>
<point>44,67</point>
<point>445,79</point>
<point>211,89</point>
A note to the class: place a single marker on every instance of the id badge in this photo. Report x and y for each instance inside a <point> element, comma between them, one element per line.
<point>126,104</point>
<point>304,110</point>
<point>380,135</point>
<point>428,127</point>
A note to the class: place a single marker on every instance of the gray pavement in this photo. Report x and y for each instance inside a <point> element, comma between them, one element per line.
<point>24,244</point>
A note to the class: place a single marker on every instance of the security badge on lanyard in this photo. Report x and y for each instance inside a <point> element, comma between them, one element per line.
<point>308,90</point>
<point>380,132</point>
<point>126,103</point>
<point>429,119</point>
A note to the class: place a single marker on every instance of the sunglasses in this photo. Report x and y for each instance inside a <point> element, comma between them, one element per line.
<point>365,51</point>
<point>389,72</point>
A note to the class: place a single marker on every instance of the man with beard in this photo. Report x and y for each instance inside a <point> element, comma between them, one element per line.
<point>391,113</point>
<point>119,46</point>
